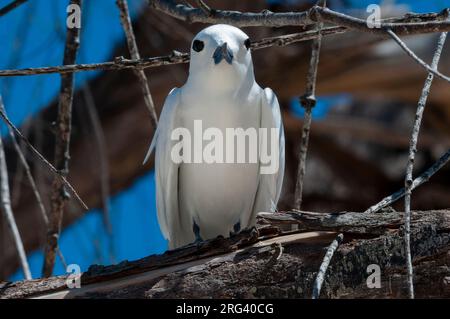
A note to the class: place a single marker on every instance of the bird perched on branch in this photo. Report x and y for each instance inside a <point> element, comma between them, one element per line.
<point>219,143</point>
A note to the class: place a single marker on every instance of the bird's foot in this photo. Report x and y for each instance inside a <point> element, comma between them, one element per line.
<point>198,239</point>
<point>236,229</point>
<point>251,232</point>
<point>247,234</point>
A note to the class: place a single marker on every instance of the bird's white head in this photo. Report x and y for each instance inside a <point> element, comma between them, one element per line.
<point>221,58</point>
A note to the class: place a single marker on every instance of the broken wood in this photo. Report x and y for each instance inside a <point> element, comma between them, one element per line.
<point>346,222</point>
<point>250,266</point>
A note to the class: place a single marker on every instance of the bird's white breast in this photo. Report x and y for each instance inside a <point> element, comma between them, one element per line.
<point>218,195</point>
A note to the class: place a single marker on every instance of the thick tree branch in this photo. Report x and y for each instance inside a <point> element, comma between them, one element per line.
<point>62,143</point>
<point>236,18</point>
<point>315,14</point>
<point>252,267</point>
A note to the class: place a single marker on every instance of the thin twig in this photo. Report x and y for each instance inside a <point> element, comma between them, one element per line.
<point>324,266</point>
<point>43,160</point>
<point>62,143</point>
<point>176,57</point>
<point>120,63</point>
<point>423,64</point>
<point>281,19</point>
<point>308,101</point>
<point>411,157</point>
<point>20,169</point>
<point>423,178</point>
<point>26,168</point>
<point>103,160</point>
<point>30,179</point>
<point>9,7</point>
<point>134,52</point>
<point>206,9</point>
<point>38,137</point>
<point>5,202</point>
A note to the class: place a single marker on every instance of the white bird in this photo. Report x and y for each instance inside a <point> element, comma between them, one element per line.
<point>199,201</point>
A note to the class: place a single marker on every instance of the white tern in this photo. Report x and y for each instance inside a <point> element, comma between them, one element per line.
<point>201,200</point>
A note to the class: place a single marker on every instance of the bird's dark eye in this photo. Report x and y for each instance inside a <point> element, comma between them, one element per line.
<point>198,45</point>
<point>247,43</point>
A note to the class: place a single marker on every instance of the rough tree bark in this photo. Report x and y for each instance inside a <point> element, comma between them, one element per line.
<point>62,147</point>
<point>248,266</point>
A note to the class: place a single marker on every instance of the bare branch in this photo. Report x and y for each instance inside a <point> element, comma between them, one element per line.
<point>42,159</point>
<point>430,69</point>
<point>324,266</point>
<point>63,132</point>
<point>423,178</point>
<point>102,156</point>
<point>308,101</point>
<point>20,171</point>
<point>5,202</point>
<point>287,39</point>
<point>402,28</point>
<point>134,52</point>
<point>411,157</point>
<point>27,168</point>
<point>315,14</point>
<point>9,7</point>
<point>206,9</point>
<point>120,63</point>
<point>236,18</point>
<point>30,178</point>
<point>301,170</point>
<point>176,57</point>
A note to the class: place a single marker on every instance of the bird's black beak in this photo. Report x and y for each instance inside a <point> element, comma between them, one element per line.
<point>222,52</point>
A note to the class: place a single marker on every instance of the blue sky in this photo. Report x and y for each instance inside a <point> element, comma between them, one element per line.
<point>41,26</point>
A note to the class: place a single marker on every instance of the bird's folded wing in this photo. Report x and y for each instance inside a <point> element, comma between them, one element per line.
<point>271,110</point>
<point>269,186</point>
<point>165,168</point>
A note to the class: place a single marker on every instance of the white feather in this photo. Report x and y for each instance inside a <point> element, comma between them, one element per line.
<point>166,170</point>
